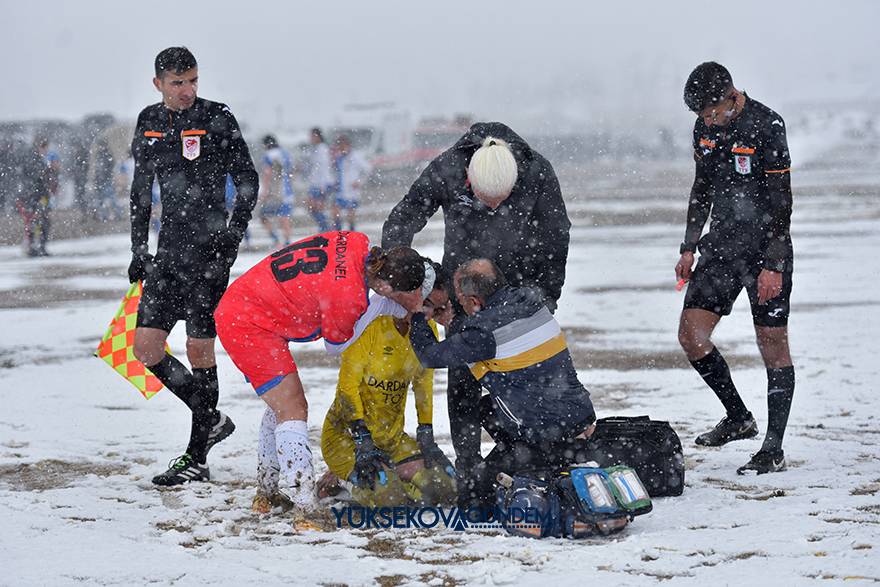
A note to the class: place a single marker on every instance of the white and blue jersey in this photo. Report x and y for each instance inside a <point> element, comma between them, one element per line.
<point>320,169</point>
<point>352,171</point>
<point>278,160</point>
<point>276,189</point>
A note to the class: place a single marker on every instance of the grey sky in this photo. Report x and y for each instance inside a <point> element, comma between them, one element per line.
<point>577,63</point>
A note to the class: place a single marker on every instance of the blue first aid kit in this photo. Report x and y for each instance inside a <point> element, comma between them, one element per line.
<point>580,501</point>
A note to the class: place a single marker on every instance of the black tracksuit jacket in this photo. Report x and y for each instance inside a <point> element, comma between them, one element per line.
<point>527,236</point>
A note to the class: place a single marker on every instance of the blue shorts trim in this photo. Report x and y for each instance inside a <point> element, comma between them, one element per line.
<point>313,336</point>
<point>283,209</point>
<point>269,385</point>
<point>347,204</point>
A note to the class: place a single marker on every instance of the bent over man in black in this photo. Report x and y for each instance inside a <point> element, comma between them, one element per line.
<point>743,182</point>
<point>188,145</point>
<point>513,214</point>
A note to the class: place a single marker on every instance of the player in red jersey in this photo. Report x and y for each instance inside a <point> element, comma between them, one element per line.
<point>315,288</point>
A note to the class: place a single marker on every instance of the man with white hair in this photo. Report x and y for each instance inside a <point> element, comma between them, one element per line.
<point>501,201</point>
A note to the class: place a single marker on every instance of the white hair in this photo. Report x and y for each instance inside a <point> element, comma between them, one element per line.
<point>492,171</point>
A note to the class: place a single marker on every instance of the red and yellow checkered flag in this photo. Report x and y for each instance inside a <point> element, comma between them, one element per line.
<point>117,346</point>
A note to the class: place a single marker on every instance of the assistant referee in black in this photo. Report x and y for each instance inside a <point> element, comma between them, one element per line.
<point>188,145</point>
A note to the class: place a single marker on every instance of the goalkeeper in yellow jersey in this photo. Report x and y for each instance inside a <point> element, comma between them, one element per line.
<point>363,439</point>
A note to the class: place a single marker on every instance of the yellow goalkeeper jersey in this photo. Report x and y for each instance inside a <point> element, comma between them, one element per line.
<point>374,378</point>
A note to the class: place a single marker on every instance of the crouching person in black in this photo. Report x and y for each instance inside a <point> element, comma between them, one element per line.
<point>536,408</point>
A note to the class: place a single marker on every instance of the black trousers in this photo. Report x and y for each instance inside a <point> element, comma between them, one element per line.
<point>463,398</point>
<point>512,456</point>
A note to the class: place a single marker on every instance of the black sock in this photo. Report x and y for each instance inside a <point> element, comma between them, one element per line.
<point>207,380</point>
<point>780,391</point>
<point>198,435</point>
<point>203,405</point>
<point>715,372</point>
<point>175,377</point>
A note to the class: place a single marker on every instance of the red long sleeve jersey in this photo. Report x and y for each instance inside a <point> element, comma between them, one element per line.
<point>313,288</point>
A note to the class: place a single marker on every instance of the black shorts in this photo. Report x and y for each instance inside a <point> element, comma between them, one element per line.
<point>717,282</point>
<point>192,296</point>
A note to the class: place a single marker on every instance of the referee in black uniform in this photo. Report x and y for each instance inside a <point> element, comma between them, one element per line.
<point>188,145</point>
<point>743,183</point>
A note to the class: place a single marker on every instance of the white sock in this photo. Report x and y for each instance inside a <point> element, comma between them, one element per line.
<point>295,460</point>
<point>267,458</point>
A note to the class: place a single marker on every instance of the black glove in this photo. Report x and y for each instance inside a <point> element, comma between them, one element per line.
<point>468,473</point>
<point>226,246</point>
<point>141,265</point>
<point>431,453</point>
<point>368,460</point>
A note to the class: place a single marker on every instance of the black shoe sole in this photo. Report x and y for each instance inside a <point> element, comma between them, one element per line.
<point>183,482</point>
<point>745,470</point>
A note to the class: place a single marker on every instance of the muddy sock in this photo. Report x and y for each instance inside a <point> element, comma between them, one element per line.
<point>715,372</point>
<point>267,456</point>
<point>295,461</point>
<point>780,391</point>
<point>175,377</point>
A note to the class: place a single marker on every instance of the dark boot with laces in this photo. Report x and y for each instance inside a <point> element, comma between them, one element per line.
<point>182,470</point>
<point>728,430</point>
<point>764,461</point>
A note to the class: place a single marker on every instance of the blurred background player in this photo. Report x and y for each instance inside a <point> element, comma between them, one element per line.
<point>320,179</point>
<point>39,181</point>
<point>9,168</point>
<point>53,163</point>
<point>276,190</point>
<point>352,172</point>
<point>79,169</point>
<point>102,173</point>
<point>743,178</point>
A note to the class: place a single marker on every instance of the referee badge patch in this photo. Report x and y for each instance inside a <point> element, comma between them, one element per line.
<point>192,147</point>
<point>743,164</point>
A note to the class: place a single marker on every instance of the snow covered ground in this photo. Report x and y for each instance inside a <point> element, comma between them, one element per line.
<point>78,445</point>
